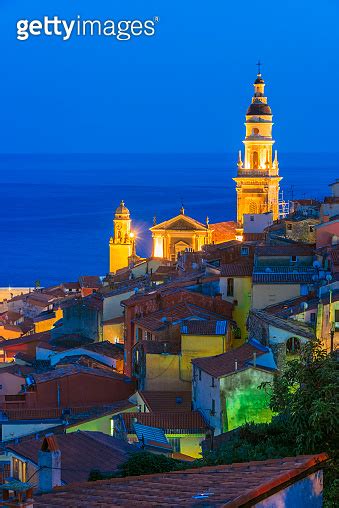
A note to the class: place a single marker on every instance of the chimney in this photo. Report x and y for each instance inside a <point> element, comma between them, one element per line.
<point>236,365</point>
<point>254,359</point>
<point>49,462</point>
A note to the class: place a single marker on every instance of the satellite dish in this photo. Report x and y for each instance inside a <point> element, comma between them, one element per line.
<point>304,305</point>
<point>316,264</point>
<point>329,277</point>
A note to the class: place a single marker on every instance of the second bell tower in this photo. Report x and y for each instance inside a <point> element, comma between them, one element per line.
<point>258,175</point>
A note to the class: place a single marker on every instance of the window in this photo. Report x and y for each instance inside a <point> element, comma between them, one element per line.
<point>252,218</point>
<point>230,287</point>
<point>244,251</point>
<point>19,469</point>
<point>312,317</point>
<point>213,407</point>
<point>294,259</point>
<point>148,336</point>
<point>311,229</point>
<point>175,443</point>
<point>199,374</point>
<point>293,345</point>
<point>289,227</point>
<point>213,382</point>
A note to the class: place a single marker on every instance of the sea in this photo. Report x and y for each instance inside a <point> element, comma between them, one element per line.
<point>57,210</point>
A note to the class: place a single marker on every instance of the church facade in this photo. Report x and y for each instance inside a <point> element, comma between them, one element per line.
<point>257,180</point>
<point>172,237</point>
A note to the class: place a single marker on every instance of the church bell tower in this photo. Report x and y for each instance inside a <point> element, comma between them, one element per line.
<point>258,174</point>
<point>122,244</point>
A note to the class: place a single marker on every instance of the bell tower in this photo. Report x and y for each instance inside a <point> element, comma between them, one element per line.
<point>122,244</point>
<point>258,174</point>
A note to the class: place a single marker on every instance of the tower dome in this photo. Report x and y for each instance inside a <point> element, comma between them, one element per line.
<point>122,209</point>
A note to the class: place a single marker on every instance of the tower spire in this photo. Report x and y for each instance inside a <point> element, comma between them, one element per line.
<point>259,64</point>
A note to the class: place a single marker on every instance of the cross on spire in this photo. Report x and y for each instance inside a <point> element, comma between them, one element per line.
<point>259,64</point>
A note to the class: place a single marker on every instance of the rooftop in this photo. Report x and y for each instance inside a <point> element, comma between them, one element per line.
<point>81,451</point>
<point>232,361</point>
<point>237,269</point>
<point>228,486</point>
<point>290,325</point>
<point>293,249</point>
<point>72,370</point>
<point>198,327</point>
<point>160,319</point>
<point>158,401</point>
<point>176,422</point>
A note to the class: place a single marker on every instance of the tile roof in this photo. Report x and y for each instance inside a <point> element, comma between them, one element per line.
<point>90,281</point>
<point>160,319</point>
<point>225,363</point>
<point>33,337</point>
<point>176,422</point>
<point>282,278</point>
<point>241,269</point>
<point>291,325</point>
<point>73,370</point>
<point>81,451</point>
<point>163,401</point>
<point>198,327</point>
<point>106,348</point>
<point>230,486</point>
<point>294,249</point>
<point>223,231</point>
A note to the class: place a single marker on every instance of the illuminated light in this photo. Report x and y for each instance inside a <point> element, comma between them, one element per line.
<point>131,235</point>
<point>239,238</point>
<point>158,247</point>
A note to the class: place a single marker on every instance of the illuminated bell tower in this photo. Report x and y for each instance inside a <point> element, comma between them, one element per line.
<point>258,175</point>
<point>122,245</point>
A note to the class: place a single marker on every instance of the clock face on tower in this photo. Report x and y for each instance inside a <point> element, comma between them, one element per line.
<point>118,226</point>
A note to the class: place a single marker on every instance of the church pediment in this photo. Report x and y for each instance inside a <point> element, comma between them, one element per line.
<point>180,223</point>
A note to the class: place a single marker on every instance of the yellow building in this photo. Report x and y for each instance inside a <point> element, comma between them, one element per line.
<point>236,288</point>
<point>200,339</point>
<point>175,235</point>
<point>122,244</point>
<point>258,175</point>
<point>46,320</point>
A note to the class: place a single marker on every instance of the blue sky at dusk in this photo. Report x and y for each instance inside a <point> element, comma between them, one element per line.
<point>184,90</point>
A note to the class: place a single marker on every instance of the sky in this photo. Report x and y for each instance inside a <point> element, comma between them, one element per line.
<point>184,90</point>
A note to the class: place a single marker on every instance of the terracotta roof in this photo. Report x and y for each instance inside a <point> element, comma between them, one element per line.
<point>230,486</point>
<point>73,370</point>
<point>293,249</point>
<point>198,327</point>
<point>243,269</point>
<point>291,325</point>
<point>223,231</point>
<point>81,451</point>
<point>225,363</point>
<point>164,401</point>
<point>90,281</point>
<point>160,319</point>
<point>176,422</point>
<point>106,348</point>
<point>40,336</point>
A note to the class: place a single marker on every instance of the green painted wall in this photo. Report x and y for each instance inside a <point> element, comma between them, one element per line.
<point>241,399</point>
